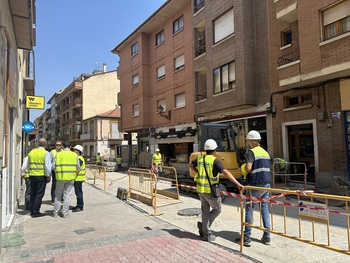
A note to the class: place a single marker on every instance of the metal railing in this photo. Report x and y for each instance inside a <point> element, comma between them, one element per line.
<point>285,171</point>
<point>306,217</point>
<point>288,58</point>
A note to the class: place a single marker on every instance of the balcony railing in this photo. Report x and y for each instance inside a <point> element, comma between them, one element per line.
<point>87,136</point>
<point>289,58</point>
<point>199,6</point>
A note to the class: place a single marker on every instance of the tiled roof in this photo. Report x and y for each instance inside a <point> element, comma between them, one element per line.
<point>112,113</point>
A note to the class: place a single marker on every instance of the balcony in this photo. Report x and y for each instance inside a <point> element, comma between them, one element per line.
<point>198,5</point>
<point>87,136</point>
<point>288,58</point>
<point>200,44</point>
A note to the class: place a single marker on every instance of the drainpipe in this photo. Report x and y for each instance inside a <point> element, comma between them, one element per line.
<point>6,130</point>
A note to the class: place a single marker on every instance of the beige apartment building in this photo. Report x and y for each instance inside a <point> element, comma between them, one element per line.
<point>79,106</point>
<point>309,47</point>
<point>156,80</point>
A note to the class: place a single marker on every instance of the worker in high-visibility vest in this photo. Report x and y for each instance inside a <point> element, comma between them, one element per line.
<point>119,161</point>
<point>79,179</point>
<point>135,157</point>
<point>53,153</point>
<point>39,170</point>
<point>157,161</point>
<point>207,168</point>
<point>66,166</point>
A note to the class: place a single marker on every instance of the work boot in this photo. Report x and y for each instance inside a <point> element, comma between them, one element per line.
<point>246,241</point>
<point>266,240</point>
<point>199,225</point>
<point>209,238</point>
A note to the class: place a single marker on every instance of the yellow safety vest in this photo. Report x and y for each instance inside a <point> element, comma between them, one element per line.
<point>81,176</point>
<point>36,160</point>
<point>202,180</point>
<point>66,165</point>
<point>26,175</point>
<point>157,158</point>
<point>119,160</point>
<point>98,159</point>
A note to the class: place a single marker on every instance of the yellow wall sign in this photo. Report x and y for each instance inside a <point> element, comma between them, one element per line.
<point>35,102</point>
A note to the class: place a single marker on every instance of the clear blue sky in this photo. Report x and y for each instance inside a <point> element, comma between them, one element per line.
<point>77,36</point>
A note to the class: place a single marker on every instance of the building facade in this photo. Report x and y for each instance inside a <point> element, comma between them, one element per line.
<point>156,80</point>
<point>17,40</point>
<point>85,97</point>
<point>310,85</point>
<point>230,73</point>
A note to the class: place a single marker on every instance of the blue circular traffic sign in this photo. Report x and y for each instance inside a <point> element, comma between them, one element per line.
<point>28,126</point>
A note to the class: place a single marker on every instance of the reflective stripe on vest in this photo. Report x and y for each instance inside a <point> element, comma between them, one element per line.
<point>81,176</point>
<point>36,160</point>
<point>202,180</point>
<point>261,173</point>
<point>157,158</point>
<point>66,165</point>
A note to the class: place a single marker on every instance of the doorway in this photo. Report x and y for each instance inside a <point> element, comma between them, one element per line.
<point>301,148</point>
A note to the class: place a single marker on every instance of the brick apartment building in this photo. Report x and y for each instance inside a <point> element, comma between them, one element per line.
<point>309,47</point>
<point>231,77</point>
<point>156,79</point>
<point>279,67</point>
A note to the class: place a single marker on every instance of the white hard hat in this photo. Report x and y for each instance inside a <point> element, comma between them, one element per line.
<point>253,135</point>
<point>79,148</point>
<point>210,144</point>
<point>157,150</point>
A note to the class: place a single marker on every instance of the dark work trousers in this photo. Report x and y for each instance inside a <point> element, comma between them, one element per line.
<point>78,189</point>
<point>53,186</point>
<point>27,205</point>
<point>37,188</point>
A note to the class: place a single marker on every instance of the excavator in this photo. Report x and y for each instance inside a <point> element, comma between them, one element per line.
<point>231,156</point>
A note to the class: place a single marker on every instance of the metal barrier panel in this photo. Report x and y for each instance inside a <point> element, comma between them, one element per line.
<point>306,217</point>
<point>286,171</point>
<point>99,173</point>
<point>142,186</point>
<point>167,184</point>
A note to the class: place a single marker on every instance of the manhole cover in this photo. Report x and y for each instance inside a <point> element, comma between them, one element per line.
<point>190,212</point>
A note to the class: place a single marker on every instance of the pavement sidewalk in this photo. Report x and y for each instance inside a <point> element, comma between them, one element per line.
<point>108,230</point>
<point>112,230</point>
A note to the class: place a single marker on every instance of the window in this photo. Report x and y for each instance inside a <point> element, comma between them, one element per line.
<point>135,110</point>
<point>223,26</point>
<point>135,80</point>
<point>336,20</point>
<point>298,100</point>
<point>178,24</point>
<point>160,38</point>
<point>224,77</point>
<point>161,72</point>
<point>286,37</point>
<point>179,62</point>
<point>114,132</point>
<point>135,49</point>
<point>180,100</point>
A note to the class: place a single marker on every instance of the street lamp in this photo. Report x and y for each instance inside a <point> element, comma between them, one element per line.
<point>162,113</point>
